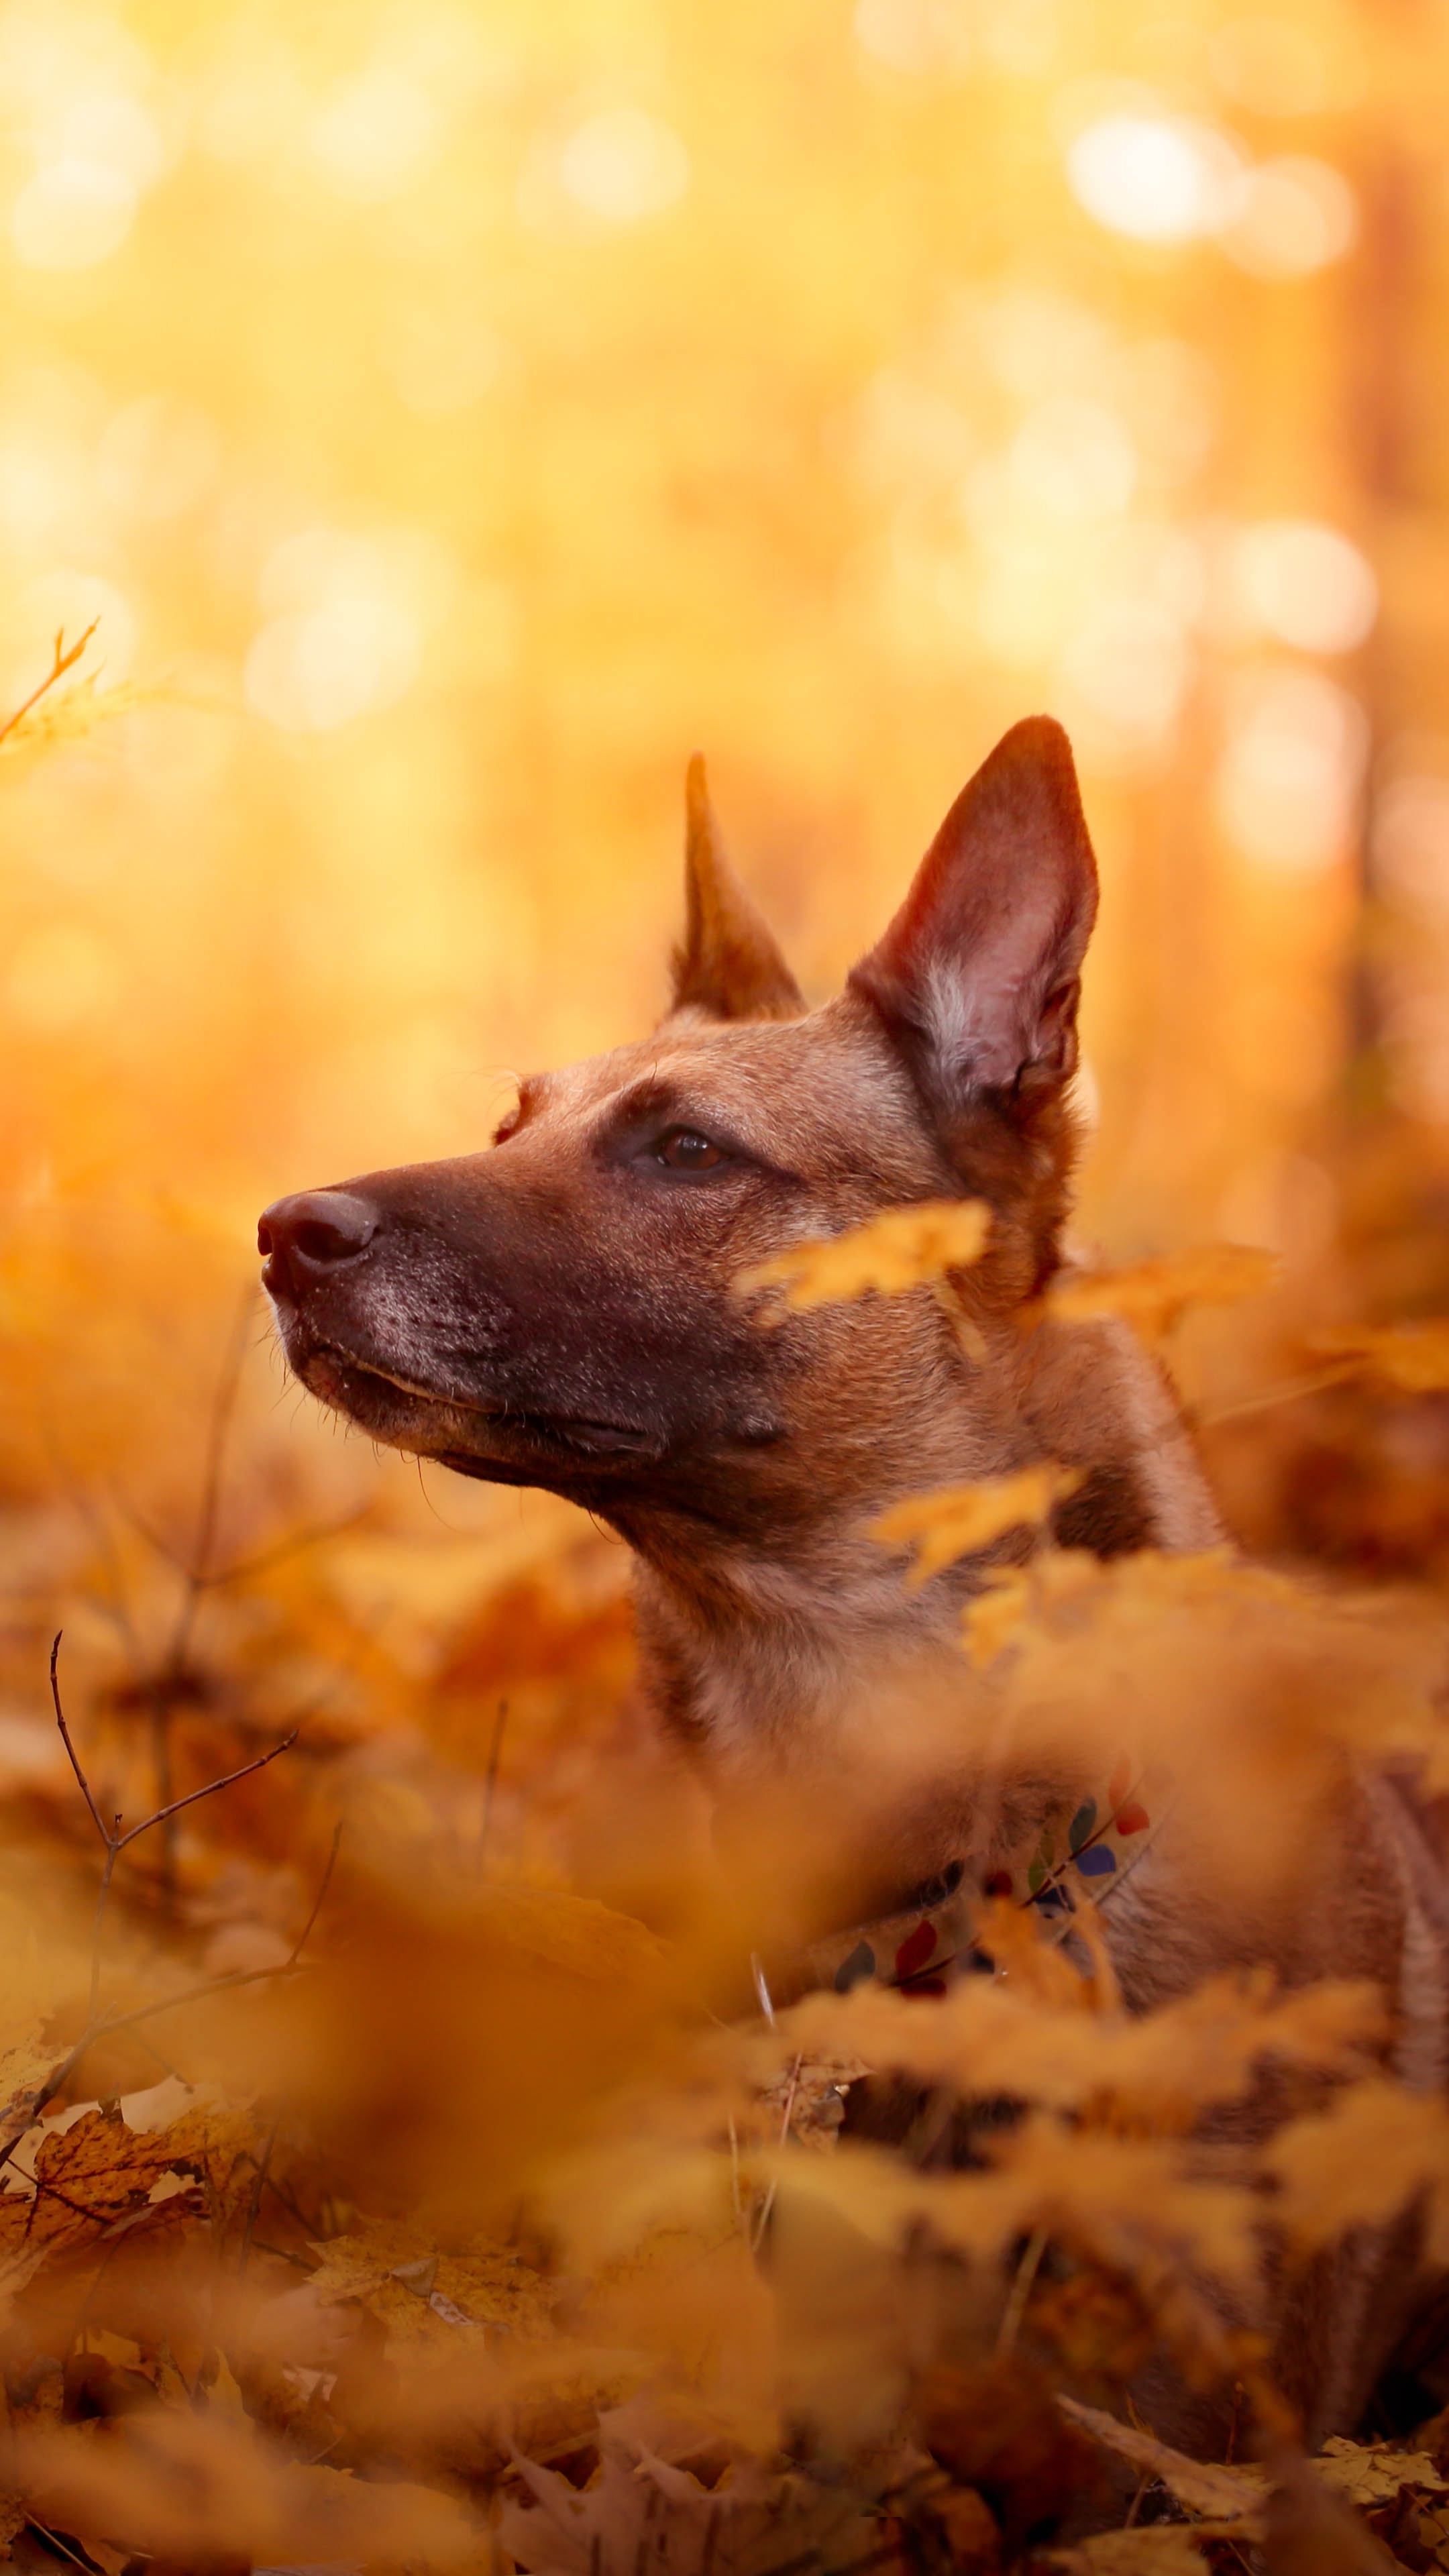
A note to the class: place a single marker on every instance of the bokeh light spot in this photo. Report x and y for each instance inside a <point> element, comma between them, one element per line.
<point>1288,783</point>
<point>1275,66</point>
<point>1156,178</point>
<point>1297,215</point>
<point>915,36</point>
<point>1411,846</point>
<point>375,135</point>
<point>1306,584</point>
<point>73,213</point>
<point>1122,679</point>
<point>158,457</point>
<point>1073,458</point>
<point>344,635</point>
<point>624,165</point>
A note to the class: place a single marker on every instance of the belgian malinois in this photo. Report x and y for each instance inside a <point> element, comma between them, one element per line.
<point>561,1311</point>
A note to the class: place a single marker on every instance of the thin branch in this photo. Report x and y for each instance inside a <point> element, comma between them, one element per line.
<point>115,1841</point>
<point>264,1560</point>
<point>242,1773</point>
<point>768,2204</point>
<point>62,661</point>
<point>258,2187</point>
<point>305,1935</point>
<point>246,1564</point>
<point>1288,1391</point>
<point>65,1736</point>
<point>223,1404</point>
<point>1021,2290</point>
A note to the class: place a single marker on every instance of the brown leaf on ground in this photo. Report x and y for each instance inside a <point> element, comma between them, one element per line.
<point>86,2177</point>
<point>1220,2493</point>
<point>1309,2532</point>
<point>998,2430</point>
<point>1163,2549</point>
<point>641,2507</point>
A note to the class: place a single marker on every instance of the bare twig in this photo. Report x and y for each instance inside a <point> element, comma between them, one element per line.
<point>258,2187</point>
<point>1021,2290</point>
<point>85,1785</point>
<point>244,1567</point>
<point>305,1935</point>
<point>115,1841</point>
<point>1288,1391</point>
<point>768,2203</point>
<point>61,662</point>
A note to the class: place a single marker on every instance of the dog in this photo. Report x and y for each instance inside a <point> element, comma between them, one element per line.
<point>562,1311</point>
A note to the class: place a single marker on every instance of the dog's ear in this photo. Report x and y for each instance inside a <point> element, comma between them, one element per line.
<point>978,976</point>
<point>727,966</point>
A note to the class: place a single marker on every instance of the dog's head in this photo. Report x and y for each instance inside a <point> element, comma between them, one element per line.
<point>561,1310</point>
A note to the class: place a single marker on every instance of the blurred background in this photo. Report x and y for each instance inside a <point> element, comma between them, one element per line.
<point>455,412</point>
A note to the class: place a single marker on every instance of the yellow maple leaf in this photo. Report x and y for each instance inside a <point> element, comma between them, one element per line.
<point>1414,1358</point>
<point>956,1520</point>
<point>1151,1295</point>
<point>908,1247</point>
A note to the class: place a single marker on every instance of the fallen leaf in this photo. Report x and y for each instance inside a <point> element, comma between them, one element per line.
<point>1308,2532</point>
<point>1374,2473</point>
<point>1163,2549</point>
<point>1221,2493</point>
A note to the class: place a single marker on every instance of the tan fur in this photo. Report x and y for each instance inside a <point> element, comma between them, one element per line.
<point>562,1312</point>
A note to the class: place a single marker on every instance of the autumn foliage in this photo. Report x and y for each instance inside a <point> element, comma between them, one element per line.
<point>423,425</point>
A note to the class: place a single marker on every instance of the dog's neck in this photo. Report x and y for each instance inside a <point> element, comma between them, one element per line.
<point>755,1653</point>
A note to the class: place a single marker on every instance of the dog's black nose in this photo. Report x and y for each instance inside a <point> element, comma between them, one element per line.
<point>311,1233</point>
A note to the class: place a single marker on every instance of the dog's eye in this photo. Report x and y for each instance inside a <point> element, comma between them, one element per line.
<point>506,1127</point>
<point>685,1150</point>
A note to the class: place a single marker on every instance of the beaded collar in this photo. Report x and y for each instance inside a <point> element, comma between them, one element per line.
<point>1090,1849</point>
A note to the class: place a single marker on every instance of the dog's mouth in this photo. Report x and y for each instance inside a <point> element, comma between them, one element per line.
<point>471,1436</point>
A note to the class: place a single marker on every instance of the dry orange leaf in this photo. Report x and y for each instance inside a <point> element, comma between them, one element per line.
<point>958,1519</point>
<point>904,1248</point>
<point>1162,2068</point>
<point>1360,2161</point>
<point>1151,1295</point>
<point>1414,1358</point>
<point>182,2485</point>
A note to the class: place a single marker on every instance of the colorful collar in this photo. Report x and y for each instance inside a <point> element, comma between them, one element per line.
<point>1087,1850</point>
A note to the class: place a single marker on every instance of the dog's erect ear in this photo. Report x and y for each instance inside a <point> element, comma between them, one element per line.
<point>978,976</point>
<point>727,965</point>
